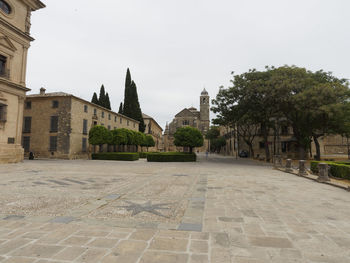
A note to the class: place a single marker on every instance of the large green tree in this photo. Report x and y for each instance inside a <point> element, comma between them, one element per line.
<point>188,137</point>
<point>131,106</point>
<point>94,99</point>
<point>107,103</point>
<point>305,100</point>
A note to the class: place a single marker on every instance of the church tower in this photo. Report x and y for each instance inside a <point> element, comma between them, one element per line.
<point>204,111</point>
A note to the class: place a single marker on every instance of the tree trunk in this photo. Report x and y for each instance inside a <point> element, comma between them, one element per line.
<point>347,139</point>
<point>265,134</point>
<point>191,149</point>
<point>318,151</point>
<point>302,152</point>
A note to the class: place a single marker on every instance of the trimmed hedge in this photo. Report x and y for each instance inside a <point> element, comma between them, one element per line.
<point>171,157</point>
<point>144,154</point>
<point>338,170</point>
<point>116,156</point>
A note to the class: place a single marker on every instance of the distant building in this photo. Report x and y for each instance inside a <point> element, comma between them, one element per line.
<point>153,129</point>
<point>56,125</point>
<point>189,117</point>
<point>14,44</point>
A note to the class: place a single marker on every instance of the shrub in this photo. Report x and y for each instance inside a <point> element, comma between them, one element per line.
<point>116,156</point>
<point>171,157</point>
<point>338,170</point>
<point>143,154</point>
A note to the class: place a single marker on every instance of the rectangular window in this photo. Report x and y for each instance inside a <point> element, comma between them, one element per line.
<point>28,105</point>
<point>55,104</point>
<point>3,112</point>
<point>127,123</point>
<point>115,118</point>
<point>121,120</point>
<point>109,116</point>
<point>27,126</point>
<point>95,123</point>
<point>85,108</point>
<point>284,130</point>
<point>261,145</point>
<point>26,143</point>
<point>102,114</point>
<point>102,124</point>
<point>54,124</point>
<point>84,145</point>
<point>109,127</point>
<point>95,112</point>
<point>53,143</point>
<point>3,70</point>
<point>85,127</point>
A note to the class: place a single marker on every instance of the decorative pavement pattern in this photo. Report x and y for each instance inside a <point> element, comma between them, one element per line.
<point>215,210</point>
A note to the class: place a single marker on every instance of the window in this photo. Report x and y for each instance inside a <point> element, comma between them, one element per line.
<point>284,130</point>
<point>102,114</point>
<point>53,143</point>
<point>85,108</point>
<point>28,105</point>
<point>115,118</point>
<point>3,112</point>
<point>127,123</point>
<point>27,124</point>
<point>5,7</point>
<point>95,123</point>
<point>85,127</point>
<point>95,112</point>
<point>109,127</point>
<point>284,146</point>
<point>55,104</point>
<point>261,145</point>
<point>54,124</point>
<point>115,128</point>
<point>185,122</point>
<point>134,124</point>
<point>84,145</point>
<point>121,120</point>
<point>109,116</point>
<point>26,143</point>
<point>102,124</point>
<point>3,70</point>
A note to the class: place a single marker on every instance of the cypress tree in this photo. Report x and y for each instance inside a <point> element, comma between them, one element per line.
<point>127,95</point>
<point>94,99</point>
<point>107,102</point>
<point>102,97</point>
<point>121,108</point>
<point>132,107</point>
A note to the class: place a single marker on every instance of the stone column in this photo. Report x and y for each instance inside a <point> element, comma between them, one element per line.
<point>323,173</point>
<point>302,169</point>
<point>289,165</point>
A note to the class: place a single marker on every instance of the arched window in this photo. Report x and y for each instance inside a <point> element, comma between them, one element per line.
<point>5,7</point>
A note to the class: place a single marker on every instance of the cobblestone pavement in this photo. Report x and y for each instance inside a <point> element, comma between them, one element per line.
<point>216,210</point>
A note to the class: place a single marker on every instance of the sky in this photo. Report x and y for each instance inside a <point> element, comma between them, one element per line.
<point>176,48</point>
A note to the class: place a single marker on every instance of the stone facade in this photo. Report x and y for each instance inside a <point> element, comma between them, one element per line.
<point>331,145</point>
<point>153,129</point>
<point>189,117</point>
<point>56,125</point>
<point>14,44</point>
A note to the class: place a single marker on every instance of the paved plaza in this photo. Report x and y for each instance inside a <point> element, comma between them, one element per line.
<point>215,210</point>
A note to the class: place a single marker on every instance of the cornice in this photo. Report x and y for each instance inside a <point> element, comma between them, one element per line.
<point>15,30</point>
<point>34,4</point>
<point>14,85</point>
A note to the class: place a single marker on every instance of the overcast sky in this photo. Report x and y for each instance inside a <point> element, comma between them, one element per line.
<point>175,48</point>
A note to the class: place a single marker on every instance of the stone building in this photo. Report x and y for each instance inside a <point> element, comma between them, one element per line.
<point>189,117</point>
<point>153,129</point>
<point>56,125</point>
<point>14,44</point>
<point>283,142</point>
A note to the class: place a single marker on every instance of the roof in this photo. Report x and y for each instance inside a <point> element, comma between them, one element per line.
<point>145,116</point>
<point>204,92</point>
<point>34,4</point>
<point>63,94</point>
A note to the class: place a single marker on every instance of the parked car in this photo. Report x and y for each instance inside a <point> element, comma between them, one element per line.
<point>243,154</point>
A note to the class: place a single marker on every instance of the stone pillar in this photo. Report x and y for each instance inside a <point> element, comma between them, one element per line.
<point>277,161</point>
<point>323,173</point>
<point>289,165</point>
<point>302,169</point>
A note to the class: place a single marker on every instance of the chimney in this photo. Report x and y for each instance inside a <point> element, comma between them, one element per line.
<point>42,91</point>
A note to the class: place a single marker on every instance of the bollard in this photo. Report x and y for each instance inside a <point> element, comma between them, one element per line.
<point>289,166</point>
<point>277,161</point>
<point>302,169</point>
<point>323,173</point>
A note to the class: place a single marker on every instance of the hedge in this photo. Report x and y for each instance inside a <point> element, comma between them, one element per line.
<point>338,170</point>
<point>171,157</point>
<point>116,156</point>
<point>144,154</point>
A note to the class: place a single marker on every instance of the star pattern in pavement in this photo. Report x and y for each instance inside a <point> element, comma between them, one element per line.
<point>146,207</point>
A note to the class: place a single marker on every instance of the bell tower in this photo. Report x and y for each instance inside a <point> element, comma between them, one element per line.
<point>204,111</point>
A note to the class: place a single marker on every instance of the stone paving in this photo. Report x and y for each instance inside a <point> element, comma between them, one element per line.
<point>216,210</point>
